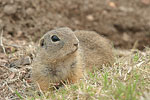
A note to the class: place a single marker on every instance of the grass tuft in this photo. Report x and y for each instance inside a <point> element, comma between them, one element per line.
<point>128,79</point>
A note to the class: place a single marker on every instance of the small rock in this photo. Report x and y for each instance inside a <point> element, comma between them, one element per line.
<point>27,61</point>
<point>12,75</point>
<point>15,64</point>
<point>12,1</point>
<point>126,9</point>
<point>146,2</point>
<point>77,22</point>
<point>90,17</point>
<point>10,9</point>
<point>19,62</point>
<point>29,11</point>
<point>126,37</point>
<point>112,4</point>
<point>19,33</point>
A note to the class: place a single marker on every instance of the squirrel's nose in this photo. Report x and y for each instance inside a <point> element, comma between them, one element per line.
<point>76,44</point>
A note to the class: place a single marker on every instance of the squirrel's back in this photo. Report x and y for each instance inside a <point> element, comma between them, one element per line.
<point>97,50</point>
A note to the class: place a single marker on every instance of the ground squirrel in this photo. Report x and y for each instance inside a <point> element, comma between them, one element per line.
<point>63,53</point>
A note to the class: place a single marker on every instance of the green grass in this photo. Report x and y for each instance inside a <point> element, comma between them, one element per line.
<point>19,95</point>
<point>126,80</point>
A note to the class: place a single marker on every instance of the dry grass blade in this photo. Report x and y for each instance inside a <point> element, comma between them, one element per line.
<point>1,41</point>
<point>44,97</point>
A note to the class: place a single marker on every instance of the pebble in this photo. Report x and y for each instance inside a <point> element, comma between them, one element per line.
<point>18,63</point>
<point>10,9</point>
<point>27,61</point>
<point>29,11</point>
<point>126,9</point>
<point>90,17</point>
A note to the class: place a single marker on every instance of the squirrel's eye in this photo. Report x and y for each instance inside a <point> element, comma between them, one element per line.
<point>42,43</point>
<point>55,38</point>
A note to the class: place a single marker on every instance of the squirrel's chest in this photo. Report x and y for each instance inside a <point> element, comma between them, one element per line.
<point>59,71</point>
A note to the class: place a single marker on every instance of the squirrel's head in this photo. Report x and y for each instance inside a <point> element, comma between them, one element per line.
<point>59,43</point>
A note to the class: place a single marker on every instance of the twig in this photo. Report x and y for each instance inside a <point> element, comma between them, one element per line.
<point>10,88</point>
<point>65,84</point>
<point>41,91</point>
<point>1,42</point>
<point>135,45</point>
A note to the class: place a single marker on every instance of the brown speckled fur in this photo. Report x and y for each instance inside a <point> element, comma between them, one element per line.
<point>63,61</point>
<point>97,50</point>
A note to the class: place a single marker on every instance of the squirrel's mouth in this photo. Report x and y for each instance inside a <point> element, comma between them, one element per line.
<point>73,51</point>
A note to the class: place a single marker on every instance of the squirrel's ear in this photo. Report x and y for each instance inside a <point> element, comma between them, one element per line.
<point>41,42</point>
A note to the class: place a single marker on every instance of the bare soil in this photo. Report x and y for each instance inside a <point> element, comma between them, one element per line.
<point>122,21</point>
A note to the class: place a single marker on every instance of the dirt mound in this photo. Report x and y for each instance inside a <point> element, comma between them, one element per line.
<point>125,22</point>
